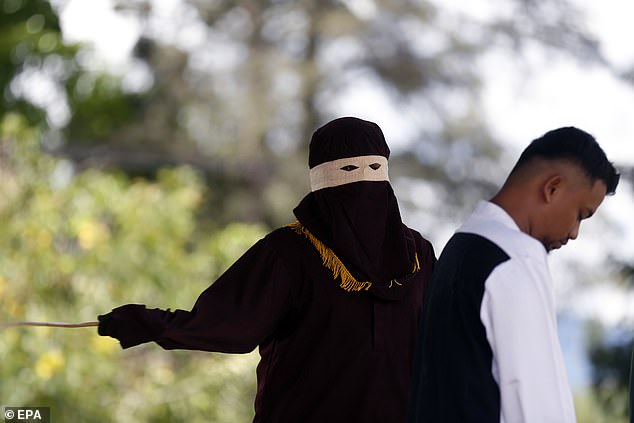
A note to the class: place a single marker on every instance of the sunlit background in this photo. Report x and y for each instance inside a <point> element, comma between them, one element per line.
<point>144,145</point>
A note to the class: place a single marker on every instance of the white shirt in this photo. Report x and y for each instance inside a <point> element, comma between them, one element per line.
<point>518,313</point>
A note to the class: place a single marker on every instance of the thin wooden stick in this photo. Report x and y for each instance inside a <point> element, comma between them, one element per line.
<point>50,324</point>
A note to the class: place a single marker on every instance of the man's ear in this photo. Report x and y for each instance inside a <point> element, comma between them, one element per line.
<point>551,187</point>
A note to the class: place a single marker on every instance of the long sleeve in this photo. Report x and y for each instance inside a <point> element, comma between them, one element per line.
<point>235,314</point>
<point>518,313</point>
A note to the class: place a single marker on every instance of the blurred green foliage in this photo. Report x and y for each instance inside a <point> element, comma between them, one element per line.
<point>610,352</point>
<point>50,81</point>
<point>590,408</point>
<point>29,34</point>
<point>76,241</point>
<point>75,245</point>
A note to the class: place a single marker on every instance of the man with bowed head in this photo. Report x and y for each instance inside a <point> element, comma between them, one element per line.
<point>488,349</point>
<point>333,300</point>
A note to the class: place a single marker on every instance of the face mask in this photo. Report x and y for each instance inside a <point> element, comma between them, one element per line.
<point>348,170</point>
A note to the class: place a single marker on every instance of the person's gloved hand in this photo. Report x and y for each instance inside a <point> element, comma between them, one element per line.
<point>107,325</point>
<point>131,324</point>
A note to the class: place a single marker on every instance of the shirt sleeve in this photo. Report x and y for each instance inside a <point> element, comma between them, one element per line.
<point>518,314</point>
<point>235,314</point>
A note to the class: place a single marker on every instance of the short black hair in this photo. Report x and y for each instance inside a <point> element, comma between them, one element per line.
<point>577,146</point>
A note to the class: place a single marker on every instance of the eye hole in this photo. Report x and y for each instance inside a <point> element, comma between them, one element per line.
<point>349,168</point>
<point>375,166</point>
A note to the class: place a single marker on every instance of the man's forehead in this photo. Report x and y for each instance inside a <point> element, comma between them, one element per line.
<point>591,195</point>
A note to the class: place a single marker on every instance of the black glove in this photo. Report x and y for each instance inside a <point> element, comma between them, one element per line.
<point>107,325</point>
<point>131,324</point>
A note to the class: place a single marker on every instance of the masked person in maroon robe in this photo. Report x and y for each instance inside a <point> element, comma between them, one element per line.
<point>333,300</point>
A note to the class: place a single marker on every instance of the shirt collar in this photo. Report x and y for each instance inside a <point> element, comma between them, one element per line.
<point>487,213</point>
<point>487,210</point>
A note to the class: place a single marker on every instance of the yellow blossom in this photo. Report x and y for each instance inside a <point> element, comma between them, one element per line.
<point>48,364</point>
<point>104,345</point>
<point>92,233</point>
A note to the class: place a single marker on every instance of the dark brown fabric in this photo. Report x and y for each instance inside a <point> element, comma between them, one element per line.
<point>327,355</point>
<point>360,221</point>
<point>346,137</point>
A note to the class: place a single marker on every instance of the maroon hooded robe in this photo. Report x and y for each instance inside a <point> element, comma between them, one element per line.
<point>328,353</point>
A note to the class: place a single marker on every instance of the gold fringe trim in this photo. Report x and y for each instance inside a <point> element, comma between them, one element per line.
<point>338,269</point>
<point>394,281</point>
<point>332,262</point>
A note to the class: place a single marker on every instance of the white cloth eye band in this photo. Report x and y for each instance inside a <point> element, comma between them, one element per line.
<point>330,174</point>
